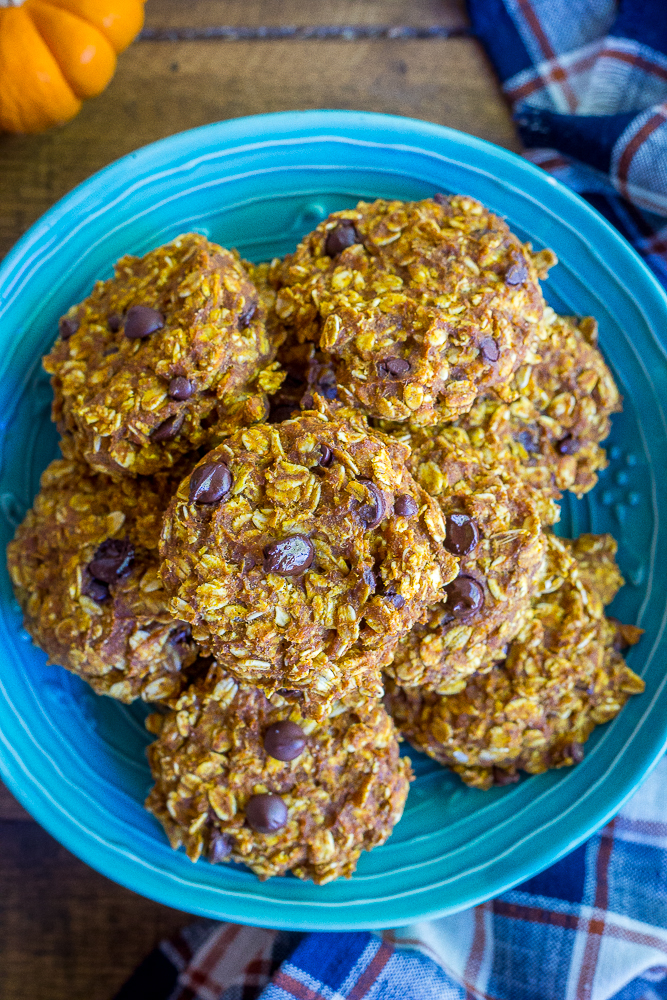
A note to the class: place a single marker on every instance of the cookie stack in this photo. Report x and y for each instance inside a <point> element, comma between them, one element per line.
<point>306,506</point>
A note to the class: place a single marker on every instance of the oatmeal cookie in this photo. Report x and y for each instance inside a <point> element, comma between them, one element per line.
<point>301,551</point>
<point>564,675</point>
<point>420,306</point>
<point>494,529</point>
<point>161,359</point>
<point>243,778</point>
<point>84,564</point>
<point>556,410</point>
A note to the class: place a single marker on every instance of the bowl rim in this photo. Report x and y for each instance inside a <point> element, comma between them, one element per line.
<point>257,130</point>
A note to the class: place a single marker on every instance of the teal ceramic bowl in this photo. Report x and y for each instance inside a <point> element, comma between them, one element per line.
<point>77,761</point>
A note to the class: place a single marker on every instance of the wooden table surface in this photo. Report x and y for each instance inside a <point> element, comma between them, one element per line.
<point>65,930</point>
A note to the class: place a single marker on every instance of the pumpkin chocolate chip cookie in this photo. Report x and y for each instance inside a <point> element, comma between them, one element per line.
<point>84,564</point>
<point>564,675</point>
<point>161,358</point>
<point>301,552</point>
<point>420,306</point>
<point>239,777</point>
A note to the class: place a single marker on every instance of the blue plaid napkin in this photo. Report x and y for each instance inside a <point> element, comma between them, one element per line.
<point>588,83</point>
<point>587,80</point>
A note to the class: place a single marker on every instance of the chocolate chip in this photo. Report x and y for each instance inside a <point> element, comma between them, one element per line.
<point>394,598</point>
<point>620,642</point>
<point>516,274</point>
<point>501,777</point>
<point>114,322</point>
<point>219,848</point>
<point>405,505</point>
<point>265,813</point>
<point>290,556</point>
<point>373,514</point>
<point>97,590</point>
<point>112,560</point>
<point>169,428</point>
<point>284,740</point>
<point>342,236</point>
<point>393,367</point>
<point>246,316</point>
<point>462,534</point>
<point>575,751</point>
<point>529,439</point>
<point>210,482</point>
<point>284,411</point>
<point>440,199</point>
<point>182,634</point>
<point>141,321</point>
<point>326,456</point>
<point>180,388</point>
<point>489,349</point>
<point>568,445</point>
<point>464,596</point>
<point>67,327</point>
<point>109,351</point>
<point>327,390</point>
<point>368,576</point>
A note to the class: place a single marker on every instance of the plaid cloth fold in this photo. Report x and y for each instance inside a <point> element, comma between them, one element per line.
<point>588,83</point>
<point>591,927</point>
<point>587,80</point>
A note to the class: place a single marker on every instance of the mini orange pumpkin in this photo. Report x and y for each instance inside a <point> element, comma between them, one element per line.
<point>56,53</point>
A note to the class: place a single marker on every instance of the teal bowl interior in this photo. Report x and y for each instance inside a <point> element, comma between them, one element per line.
<point>77,761</point>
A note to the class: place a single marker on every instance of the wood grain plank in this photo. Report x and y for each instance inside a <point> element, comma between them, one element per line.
<point>10,809</point>
<point>164,87</point>
<point>67,933</point>
<point>199,13</point>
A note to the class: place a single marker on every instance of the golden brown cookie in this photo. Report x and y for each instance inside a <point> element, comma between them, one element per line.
<point>84,564</point>
<point>243,778</point>
<point>420,306</point>
<point>163,358</point>
<point>301,552</point>
<point>556,411</point>
<point>564,674</point>
<point>494,530</point>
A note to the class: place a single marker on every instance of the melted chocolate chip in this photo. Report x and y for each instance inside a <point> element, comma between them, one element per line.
<point>568,445</point>
<point>290,556</point>
<point>284,740</point>
<point>326,456</point>
<point>112,560</point>
<point>141,321</point>
<point>342,236</point>
<point>501,777</point>
<point>405,505</point>
<point>462,534</point>
<point>373,514</point>
<point>181,634</point>
<point>394,598</point>
<point>464,595</point>
<point>246,316</point>
<point>489,349</point>
<point>180,388</point>
<point>67,327</point>
<point>530,440</point>
<point>219,848</point>
<point>114,322</point>
<point>516,274</point>
<point>169,428</point>
<point>393,368</point>
<point>97,590</point>
<point>265,813</point>
<point>210,482</point>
